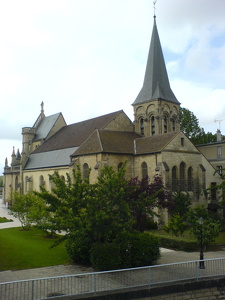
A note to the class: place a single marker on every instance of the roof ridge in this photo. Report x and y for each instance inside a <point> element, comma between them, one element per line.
<point>87,120</point>
<point>100,140</point>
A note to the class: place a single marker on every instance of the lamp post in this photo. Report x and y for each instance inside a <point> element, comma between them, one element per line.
<point>201,262</point>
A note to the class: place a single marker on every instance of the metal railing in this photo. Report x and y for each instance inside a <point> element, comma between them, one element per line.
<point>99,282</point>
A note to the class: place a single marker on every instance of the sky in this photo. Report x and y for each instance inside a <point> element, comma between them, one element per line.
<point>87,58</point>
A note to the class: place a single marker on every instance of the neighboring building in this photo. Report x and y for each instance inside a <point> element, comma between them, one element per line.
<point>152,144</point>
<point>215,153</point>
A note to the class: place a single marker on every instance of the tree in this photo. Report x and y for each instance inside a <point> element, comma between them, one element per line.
<point>93,216</point>
<point>25,208</point>
<point>176,225</point>
<point>189,123</point>
<point>179,204</point>
<point>178,208</point>
<point>143,197</point>
<point>210,227</point>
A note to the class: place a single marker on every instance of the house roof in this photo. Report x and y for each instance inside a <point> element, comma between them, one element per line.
<point>56,158</point>
<point>156,82</point>
<point>75,134</point>
<point>121,142</point>
<point>45,127</point>
<point>154,143</point>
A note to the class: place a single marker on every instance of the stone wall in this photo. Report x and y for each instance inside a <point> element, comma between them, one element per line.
<point>210,289</point>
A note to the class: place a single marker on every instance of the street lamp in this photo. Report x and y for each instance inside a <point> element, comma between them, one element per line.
<point>201,262</point>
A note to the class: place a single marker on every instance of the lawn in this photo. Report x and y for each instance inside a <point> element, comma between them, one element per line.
<point>4,220</point>
<point>29,249</point>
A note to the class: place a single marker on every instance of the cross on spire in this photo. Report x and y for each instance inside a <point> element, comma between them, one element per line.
<point>154,3</point>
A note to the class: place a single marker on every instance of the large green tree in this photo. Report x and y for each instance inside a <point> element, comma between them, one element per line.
<point>143,196</point>
<point>29,209</point>
<point>210,227</point>
<point>93,216</point>
<point>189,124</point>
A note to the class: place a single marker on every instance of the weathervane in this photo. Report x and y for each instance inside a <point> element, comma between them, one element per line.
<point>154,3</point>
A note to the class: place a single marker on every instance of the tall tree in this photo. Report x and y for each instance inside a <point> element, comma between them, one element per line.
<point>143,197</point>
<point>189,123</point>
<point>95,215</point>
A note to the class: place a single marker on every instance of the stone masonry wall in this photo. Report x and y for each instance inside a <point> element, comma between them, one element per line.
<point>208,289</point>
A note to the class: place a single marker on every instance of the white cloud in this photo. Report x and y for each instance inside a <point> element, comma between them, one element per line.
<point>87,58</point>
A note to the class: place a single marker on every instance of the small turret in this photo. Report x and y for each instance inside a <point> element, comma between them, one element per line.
<point>13,161</point>
<point>28,135</point>
<point>6,163</point>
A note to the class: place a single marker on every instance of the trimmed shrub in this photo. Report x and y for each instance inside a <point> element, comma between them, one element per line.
<point>178,244</point>
<point>138,249</point>
<point>151,224</point>
<point>105,256</point>
<point>78,248</point>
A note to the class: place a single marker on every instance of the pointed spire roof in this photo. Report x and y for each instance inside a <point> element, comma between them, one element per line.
<point>156,82</point>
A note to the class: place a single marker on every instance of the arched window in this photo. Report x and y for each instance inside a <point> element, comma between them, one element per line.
<point>144,169</point>
<point>142,129</point>
<point>182,176</point>
<point>51,184</point>
<point>190,179</point>
<point>165,124</point>
<point>63,178</point>
<point>26,184</point>
<point>16,183</point>
<point>119,166</point>
<point>173,125</point>
<point>174,178</point>
<point>153,125</point>
<point>85,170</point>
<point>41,181</point>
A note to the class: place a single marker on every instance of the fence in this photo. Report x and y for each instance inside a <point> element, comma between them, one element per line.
<point>102,282</point>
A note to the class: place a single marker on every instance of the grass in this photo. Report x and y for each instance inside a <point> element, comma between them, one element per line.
<point>4,220</point>
<point>29,249</point>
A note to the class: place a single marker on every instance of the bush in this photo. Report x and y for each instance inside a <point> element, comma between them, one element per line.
<point>178,244</point>
<point>105,256</point>
<point>138,249</point>
<point>78,248</point>
<point>151,224</point>
<point>176,225</point>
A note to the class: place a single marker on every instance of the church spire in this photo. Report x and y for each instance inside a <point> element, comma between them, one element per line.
<point>156,82</point>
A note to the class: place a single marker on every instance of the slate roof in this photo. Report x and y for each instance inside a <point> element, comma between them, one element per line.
<point>45,127</point>
<point>156,82</point>
<point>75,134</point>
<point>57,158</point>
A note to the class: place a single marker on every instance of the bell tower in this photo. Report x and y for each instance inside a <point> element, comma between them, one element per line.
<point>156,109</point>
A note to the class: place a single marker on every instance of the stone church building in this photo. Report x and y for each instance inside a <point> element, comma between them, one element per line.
<point>151,144</point>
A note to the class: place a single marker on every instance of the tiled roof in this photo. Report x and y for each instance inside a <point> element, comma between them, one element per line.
<point>109,142</point>
<point>75,134</point>
<point>154,143</point>
<point>123,143</point>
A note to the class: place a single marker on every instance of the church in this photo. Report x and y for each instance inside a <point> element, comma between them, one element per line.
<point>151,144</point>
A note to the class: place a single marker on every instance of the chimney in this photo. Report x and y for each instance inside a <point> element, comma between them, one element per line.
<point>218,135</point>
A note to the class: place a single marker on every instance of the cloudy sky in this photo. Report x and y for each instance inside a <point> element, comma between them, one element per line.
<point>86,58</point>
